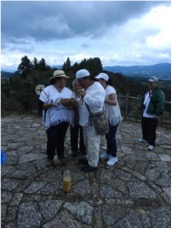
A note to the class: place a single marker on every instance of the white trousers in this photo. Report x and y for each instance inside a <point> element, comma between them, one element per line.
<point>92,144</point>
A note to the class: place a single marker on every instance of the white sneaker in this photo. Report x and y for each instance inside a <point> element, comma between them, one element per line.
<point>141,140</point>
<point>150,147</point>
<point>105,156</point>
<point>112,160</point>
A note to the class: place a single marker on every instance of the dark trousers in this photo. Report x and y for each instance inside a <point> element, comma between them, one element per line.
<point>111,140</point>
<point>76,133</point>
<point>55,140</point>
<point>149,126</point>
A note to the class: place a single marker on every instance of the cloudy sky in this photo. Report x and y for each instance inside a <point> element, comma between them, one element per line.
<point>118,32</point>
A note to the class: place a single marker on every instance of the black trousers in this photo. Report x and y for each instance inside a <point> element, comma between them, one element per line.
<point>111,140</point>
<point>76,137</point>
<point>149,126</point>
<point>55,140</point>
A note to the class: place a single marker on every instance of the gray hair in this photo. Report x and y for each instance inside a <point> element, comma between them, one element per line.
<point>74,81</point>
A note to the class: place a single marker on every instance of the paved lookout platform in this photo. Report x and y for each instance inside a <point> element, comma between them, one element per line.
<point>134,193</point>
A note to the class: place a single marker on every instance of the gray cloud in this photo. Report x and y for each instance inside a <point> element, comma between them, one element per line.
<point>61,20</point>
<point>114,30</point>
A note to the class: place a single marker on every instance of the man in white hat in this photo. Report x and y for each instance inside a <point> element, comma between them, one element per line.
<point>94,97</point>
<point>57,117</point>
<point>152,109</point>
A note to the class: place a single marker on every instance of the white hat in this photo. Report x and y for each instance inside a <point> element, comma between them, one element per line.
<point>153,79</point>
<point>59,74</point>
<point>103,76</point>
<point>82,73</point>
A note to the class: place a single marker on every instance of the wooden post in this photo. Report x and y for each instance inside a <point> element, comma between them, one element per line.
<point>126,106</point>
<point>137,107</point>
<point>119,99</point>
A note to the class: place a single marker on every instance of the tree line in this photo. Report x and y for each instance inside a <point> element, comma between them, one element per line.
<point>26,66</point>
<point>18,93</point>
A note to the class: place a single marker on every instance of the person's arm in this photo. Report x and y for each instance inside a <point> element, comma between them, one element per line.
<point>96,100</point>
<point>160,104</point>
<point>112,99</point>
<point>46,106</point>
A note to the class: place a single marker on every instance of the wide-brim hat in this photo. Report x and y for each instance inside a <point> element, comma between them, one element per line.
<point>59,74</point>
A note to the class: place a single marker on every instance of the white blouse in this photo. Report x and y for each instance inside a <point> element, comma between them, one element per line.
<point>55,115</point>
<point>113,111</point>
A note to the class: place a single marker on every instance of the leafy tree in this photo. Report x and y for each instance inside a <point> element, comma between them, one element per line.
<point>83,64</point>
<point>42,66</point>
<point>67,65</point>
<point>64,67</point>
<point>75,67</point>
<point>35,63</point>
<point>97,65</point>
<point>93,65</point>
<point>25,66</point>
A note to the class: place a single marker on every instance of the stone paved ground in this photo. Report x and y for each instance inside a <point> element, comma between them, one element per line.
<point>133,193</point>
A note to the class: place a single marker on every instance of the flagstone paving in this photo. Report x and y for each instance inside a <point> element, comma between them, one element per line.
<point>133,193</point>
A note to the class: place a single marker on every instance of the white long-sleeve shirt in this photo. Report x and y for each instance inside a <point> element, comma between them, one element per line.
<point>95,97</point>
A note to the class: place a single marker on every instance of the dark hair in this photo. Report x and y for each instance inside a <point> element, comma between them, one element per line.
<point>54,80</point>
<point>89,77</point>
<point>109,82</point>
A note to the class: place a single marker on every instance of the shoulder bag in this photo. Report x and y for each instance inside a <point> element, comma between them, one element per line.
<point>100,121</point>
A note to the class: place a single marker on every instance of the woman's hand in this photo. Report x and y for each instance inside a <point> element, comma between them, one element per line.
<point>49,105</point>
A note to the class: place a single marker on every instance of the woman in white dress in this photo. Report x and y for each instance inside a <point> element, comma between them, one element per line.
<point>56,116</point>
<point>114,117</point>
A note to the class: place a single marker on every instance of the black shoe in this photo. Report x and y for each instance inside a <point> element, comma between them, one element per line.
<point>49,163</point>
<point>62,159</point>
<point>88,168</point>
<point>83,161</point>
<point>74,154</point>
<point>82,152</point>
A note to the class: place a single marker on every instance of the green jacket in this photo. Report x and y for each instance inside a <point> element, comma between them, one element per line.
<point>156,104</point>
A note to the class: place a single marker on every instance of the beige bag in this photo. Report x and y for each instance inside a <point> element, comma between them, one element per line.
<point>100,121</point>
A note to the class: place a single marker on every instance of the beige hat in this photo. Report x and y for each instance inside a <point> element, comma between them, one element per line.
<point>59,74</point>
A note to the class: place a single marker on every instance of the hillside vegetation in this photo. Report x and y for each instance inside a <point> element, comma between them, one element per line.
<point>18,90</point>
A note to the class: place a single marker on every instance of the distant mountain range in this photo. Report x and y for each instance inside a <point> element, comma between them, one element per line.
<point>6,75</point>
<point>161,71</point>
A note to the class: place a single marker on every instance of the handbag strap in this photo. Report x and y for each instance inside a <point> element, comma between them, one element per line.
<point>87,107</point>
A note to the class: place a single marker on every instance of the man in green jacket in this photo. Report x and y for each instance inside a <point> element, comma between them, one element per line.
<point>152,108</point>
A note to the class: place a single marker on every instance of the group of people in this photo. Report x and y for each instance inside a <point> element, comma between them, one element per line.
<point>96,93</point>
